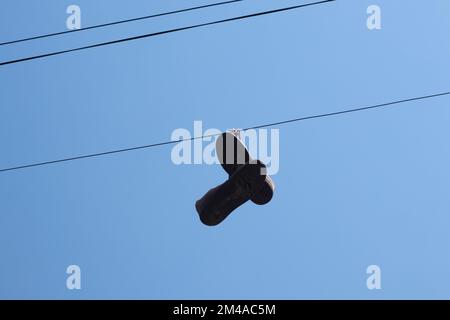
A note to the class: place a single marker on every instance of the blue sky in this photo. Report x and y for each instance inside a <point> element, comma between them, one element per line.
<point>354,190</point>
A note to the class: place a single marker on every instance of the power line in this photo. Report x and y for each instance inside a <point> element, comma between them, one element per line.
<point>349,110</point>
<point>322,115</point>
<point>120,22</point>
<point>164,32</point>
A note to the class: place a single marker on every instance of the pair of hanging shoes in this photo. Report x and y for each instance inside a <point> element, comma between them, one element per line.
<point>248,180</point>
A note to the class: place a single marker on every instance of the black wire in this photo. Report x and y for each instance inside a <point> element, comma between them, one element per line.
<point>102,154</point>
<point>212,135</point>
<point>120,22</point>
<point>349,110</point>
<point>164,32</point>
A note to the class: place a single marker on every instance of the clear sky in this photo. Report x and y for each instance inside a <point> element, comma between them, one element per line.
<point>354,190</point>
